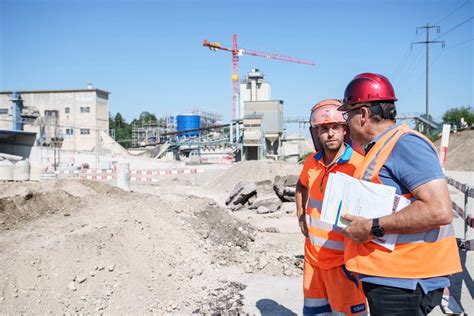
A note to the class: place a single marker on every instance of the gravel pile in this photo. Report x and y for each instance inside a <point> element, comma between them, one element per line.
<point>255,170</point>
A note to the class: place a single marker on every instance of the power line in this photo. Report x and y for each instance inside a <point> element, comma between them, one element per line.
<point>410,68</point>
<point>459,44</point>
<point>455,10</point>
<point>455,27</point>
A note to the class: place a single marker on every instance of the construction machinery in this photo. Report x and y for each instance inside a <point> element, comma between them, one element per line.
<point>236,53</point>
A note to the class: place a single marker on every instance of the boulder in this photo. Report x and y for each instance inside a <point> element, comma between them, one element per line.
<point>241,194</point>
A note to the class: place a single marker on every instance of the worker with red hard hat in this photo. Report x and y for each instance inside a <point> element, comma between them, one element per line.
<point>327,285</point>
<point>410,279</point>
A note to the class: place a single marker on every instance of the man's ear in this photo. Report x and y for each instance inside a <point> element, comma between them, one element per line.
<point>364,116</point>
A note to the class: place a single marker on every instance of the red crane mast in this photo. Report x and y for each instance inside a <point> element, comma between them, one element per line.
<point>236,52</point>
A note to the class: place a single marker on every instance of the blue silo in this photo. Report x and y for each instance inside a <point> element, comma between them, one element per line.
<point>187,122</point>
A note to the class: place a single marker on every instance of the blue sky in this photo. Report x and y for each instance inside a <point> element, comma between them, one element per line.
<point>149,54</point>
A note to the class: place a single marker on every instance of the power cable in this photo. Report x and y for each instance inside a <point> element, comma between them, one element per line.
<point>459,44</point>
<point>410,68</point>
<point>455,27</point>
<point>455,10</point>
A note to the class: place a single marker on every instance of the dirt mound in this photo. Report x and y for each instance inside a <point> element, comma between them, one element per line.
<point>255,170</point>
<point>460,151</point>
<point>26,207</point>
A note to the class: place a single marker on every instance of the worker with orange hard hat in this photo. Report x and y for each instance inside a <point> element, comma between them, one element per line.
<point>327,285</point>
<point>410,279</point>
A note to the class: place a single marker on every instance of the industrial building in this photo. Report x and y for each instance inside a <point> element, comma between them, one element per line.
<point>254,88</point>
<point>70,119</point>
<point>262,117</point>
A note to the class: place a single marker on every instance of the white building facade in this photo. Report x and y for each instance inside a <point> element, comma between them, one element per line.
<point>74,119</point>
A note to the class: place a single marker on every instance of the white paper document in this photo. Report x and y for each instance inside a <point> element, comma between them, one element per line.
<point>347,195</point>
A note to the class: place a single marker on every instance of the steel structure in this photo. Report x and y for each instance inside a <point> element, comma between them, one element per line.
<point>236,53</point>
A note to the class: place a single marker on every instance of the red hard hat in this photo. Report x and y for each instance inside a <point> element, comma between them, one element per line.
<point>367,87</point>
<point>326,112</point>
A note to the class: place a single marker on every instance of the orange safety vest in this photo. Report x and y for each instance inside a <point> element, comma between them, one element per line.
<point>324,247</point>
<point>426,254</point>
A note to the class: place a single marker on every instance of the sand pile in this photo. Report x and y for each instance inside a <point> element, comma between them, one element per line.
<point>255,170</point>
<point>460,151</point>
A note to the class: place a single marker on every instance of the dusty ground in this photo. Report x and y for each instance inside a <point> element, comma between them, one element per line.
<point>86,247</point>
<point>73,246</point>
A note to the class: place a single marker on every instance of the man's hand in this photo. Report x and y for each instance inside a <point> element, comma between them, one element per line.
<point>303,227</point>
<point>358,229</point>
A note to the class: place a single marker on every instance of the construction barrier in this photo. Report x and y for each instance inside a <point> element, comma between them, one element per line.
<point>135,175</point>
<point>468,220</point>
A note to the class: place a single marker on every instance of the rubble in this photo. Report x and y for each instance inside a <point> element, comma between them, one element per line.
<point>241,194</point>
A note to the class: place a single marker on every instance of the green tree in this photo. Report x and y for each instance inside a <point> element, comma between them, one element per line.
<point>123,130</point>
<point>147,118</point>
<point>454,115</point>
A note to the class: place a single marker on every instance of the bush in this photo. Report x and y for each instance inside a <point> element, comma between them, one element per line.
<point>453,116</point>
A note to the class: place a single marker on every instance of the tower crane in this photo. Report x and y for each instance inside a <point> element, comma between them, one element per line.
<point>236,53</point>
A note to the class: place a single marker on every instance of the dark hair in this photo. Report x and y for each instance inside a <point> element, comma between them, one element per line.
<point>383,110</point>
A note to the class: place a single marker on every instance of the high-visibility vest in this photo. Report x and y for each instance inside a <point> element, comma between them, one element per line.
<point>426,254</point>
<point>324,247</point>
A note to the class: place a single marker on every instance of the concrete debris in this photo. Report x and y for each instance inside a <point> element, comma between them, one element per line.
<point>272,203</point>
<point>240,194</point>
<point>263,210</point>
<point>285,187</point>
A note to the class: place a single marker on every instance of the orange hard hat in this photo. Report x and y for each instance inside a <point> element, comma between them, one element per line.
<point>325,112</point>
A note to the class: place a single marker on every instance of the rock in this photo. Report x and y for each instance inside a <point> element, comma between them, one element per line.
<point>262,263</point>
<point>272,230</point>
<point>272,203</point>
<point>248,269</point>
<point>81,279</point>
<point>251,199</point>
<point>92,274</point>
<point>289,192</point>
<point>240,194</point>
<point>287,272</point>
<point>263,210</point>
<point>264,187</point>
<point>279,186</point>
<point>71,286</point>
<point>111,267</point>
<point>291,180</point>
<point>285,187</point>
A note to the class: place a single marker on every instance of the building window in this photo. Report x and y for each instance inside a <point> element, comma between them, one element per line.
<point>85,131</point>
<point>51,113</point>
<point>85,109</point>
<point>67,110</point>
<point>69,132</point>
<point>3,111</point>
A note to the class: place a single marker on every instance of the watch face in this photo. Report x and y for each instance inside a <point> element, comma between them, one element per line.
<point>378,231</point>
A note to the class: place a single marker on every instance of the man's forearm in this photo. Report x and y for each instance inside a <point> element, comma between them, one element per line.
<point>431,210</point>
<point>301,198</point>
<point>412,219</point>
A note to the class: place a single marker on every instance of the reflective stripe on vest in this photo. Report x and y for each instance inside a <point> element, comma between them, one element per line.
<point>313,222</point>
<point>327,243</point>
<point>315,302</point>
<point>313,203</point>
<point>316,206</point>
<point>428,236</point>
<point>421,255</point>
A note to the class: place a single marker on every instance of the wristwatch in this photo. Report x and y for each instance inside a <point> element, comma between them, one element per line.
<point>377,230</point>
